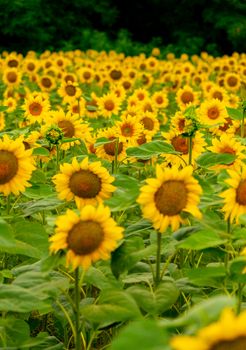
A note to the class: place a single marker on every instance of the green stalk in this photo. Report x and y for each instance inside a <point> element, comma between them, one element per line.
<point>228,231</point>
<point>57,157</point>
<point>77,313</point>
<point>158,259</point>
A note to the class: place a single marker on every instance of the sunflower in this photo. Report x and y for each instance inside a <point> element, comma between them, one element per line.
<point>141,94</point>
<point>130,129</point>
<point>46,83</point>
<point>232,82</point>
<point>178,122</point>
<point>90,107</point>
<point>150,122</point>
<point>86,75</point>
<point>68,76</point>
<point>11,77</point>
<point>108,104</point>
<point>11,104</point>
<point>30,66</point>
<point>160,99</point>
<point>167,196</point>
<point>71,126</point>
<point>180,144</point>
<point>90,236</point>
<point>235,196</point>
<point>115,74</point>
<point>228,145</point>
<point>36,108</point>
<point>69,91</point>
<point>228,333</point>
<point>213,112</point>
<point>13,60</point>
<point>219,93</point>
<point>87,183</point>
<point>186,97</point>
<point>16,166</point>
<point>109,149</point>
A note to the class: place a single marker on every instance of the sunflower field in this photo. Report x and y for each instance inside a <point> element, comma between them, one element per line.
<point>122,201</point>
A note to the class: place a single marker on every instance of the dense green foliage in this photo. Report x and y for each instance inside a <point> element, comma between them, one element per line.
<point>191,26</point>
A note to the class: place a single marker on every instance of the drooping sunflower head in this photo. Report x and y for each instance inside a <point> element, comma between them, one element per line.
<point>16,166</point>
<point>228,333</point>
<point>88,237</point>
<point>86,183</point>
<point>166,197</point>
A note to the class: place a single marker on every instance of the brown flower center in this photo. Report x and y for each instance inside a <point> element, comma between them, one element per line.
<point>85,184</point>
<point>232,81</point>
<point>181,124</point>
<point>171,197</point>
<point>126,85</point>
<point>227,149</point>
<point>13,63</point>
<point>30,66</point>
<point>235,344</point>
<point>148,123</point>
<point>115,74</point>
<point>109,105</point>
<point>87,75</point>
<point>68,78</point>
<point>226,125</point>
<point>70,90</point>
<point>213,113</point>
<point>67,128</point>
<point>180,144</point>
<point>110,148</point>
<point>241,193</point>
<point>85,237</point>
<point>127,130</point>
<point>35,108</point>
<point>187,97</point>
<point>148,108</point>
<point>8,166</point>
<point>140,96</point>
<point>218,95</point>
<point>12,77</point>
<point>142,139</point>
<point>159,99</point>
<point>46,82</point>
<point>75,109</point>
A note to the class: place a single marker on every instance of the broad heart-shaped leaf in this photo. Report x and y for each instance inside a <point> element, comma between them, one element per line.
<point>209,159</point>
<point>32,233</point>
<point>143,334</point>
<point>41,151</point>
<point>209,276</point>
<point>6,235</point>
<point>15,331</point>
<point>99,279</point>
<point>201,314</point>
<point>43,204</point>
<point>114,306</point>
<point>148,150</point>
<point>236,114</point>
<point>201,240</point>
<point>158,301</point>
<point>126,194</point>
<point>237,267</point>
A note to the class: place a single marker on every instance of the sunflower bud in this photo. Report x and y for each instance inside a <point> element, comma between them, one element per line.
<point>54,135</point>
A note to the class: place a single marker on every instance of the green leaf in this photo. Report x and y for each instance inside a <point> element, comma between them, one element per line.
<point>114,306</point>
<point>148,150</point>
<point>158,301</point>
<point>102,141</point>
<point>41,151</point>
<point>38,191</point>
<point>209,159</point>
<point>236,114</point>
<point>49,203</point>
<point>144,334</point>
<point>237,269</point>
<point>201,240</point>
<point>202,314</point>
<point>212,276</point>
<point>3,108</point>
<point>6,235</point>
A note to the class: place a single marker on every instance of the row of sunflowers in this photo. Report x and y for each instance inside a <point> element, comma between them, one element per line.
<point>123,201</point>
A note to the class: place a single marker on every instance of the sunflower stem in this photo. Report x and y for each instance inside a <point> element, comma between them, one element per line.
<point>190,149</point>
<point>158,259</point>
<point>77,313</point>
<point>8,201</point>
